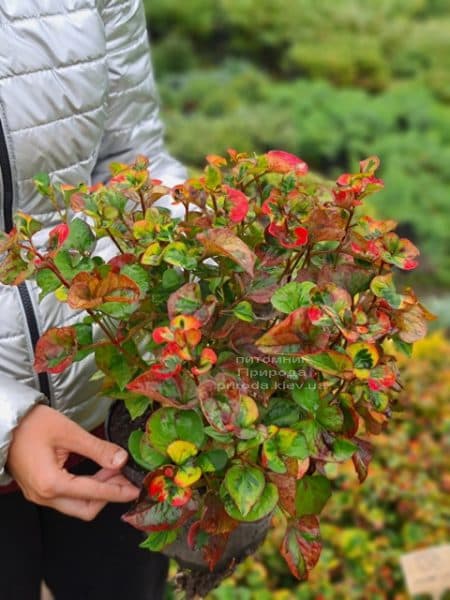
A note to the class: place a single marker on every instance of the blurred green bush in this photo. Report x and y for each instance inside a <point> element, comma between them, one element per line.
<point>330,81</point>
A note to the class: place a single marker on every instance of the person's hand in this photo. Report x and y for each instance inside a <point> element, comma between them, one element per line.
<point>40,447</point>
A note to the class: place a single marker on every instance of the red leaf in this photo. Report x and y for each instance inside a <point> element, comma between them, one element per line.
<point>55,350</point>
<point>59,233</point>
<point>117,262</point>
<point>284,162</point>
<point>301,546</point>
<point>362,457</point>
<point>240,204</point>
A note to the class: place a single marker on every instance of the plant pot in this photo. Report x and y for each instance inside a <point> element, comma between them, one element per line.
<point>243,541</point>
<point>118,427</point>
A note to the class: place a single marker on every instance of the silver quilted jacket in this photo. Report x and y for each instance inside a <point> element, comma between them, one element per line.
<point>76,93</point>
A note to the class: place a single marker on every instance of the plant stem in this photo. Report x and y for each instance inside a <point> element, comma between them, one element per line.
<point>116,243</point>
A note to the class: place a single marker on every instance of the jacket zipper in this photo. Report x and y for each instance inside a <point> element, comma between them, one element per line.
<point>6,174</point>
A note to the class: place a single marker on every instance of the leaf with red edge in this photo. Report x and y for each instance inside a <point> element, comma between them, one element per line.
<point>150,384</point>
<point>185,300</point>
<point>362,457</point>
<point>412,323</point>
<point>223,242</point>
<point>56,350</point>
<point>219,400</point>
<point>372,229</point>
<point>13,269</point>
<point>284,162</point>
<point>91,290</point>
<point>399,252</point>
<point>160,516</point>
<point>301,546</point>
<point>239,204</point>
<point>295,334</point>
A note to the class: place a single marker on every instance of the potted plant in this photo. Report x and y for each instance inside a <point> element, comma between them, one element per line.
<point>246,341</point>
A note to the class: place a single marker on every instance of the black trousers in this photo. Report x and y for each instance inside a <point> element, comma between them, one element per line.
<point>78,560</point>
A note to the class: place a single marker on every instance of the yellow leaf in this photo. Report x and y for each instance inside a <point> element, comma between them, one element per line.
<point>186,476</point>
<point>364,357</point>
<point>61,293</point>
<point>180,451</point>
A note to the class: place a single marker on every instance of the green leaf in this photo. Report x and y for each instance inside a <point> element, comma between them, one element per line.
<point>311,430</point>
<point>80,237</point>
<point>343,449</point>
<point>42,183</point>
<point>245,485</point>
<point>158,540</point>
<point>264,506</point>
<point>172,279</point>
<point>47,281</point>
<point>312,493</point>
<point>224,438</point>
<point>112,362</point>
<point>403,347</point>
<point>383,286</point>
<point>136,404</point>
<point>244,311</point>
<point>293,295</point>
<point>330,416</point>
<point>137,274</point>
<point>269,457</point>
<point>189,427</point>
<point>307,395</point>
<point>145,456</point>
<point>84,338</point>
<point>282,412</point>
<point>331,363</point>
<point>292,443</point>
<point>213,177</point>
<point>176,254</point>
<point>161,428</point>
<point>69,265</point>
<point>212,460</point>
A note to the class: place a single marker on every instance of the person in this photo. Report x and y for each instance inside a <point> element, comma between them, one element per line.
<point>76,93</point>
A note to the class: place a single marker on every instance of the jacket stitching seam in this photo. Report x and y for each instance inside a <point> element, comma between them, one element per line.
<point>13,21</point>
<point>115,6</point>
<point>12,336</point>
<point>55,68</point>
<point>128,89</point>
<point>68,167</point>
<point>58,120</point>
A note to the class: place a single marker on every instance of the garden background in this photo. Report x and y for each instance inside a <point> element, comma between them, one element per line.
<point>334,81</point>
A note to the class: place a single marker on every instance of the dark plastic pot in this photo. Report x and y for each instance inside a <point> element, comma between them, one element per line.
<point>243,541</point>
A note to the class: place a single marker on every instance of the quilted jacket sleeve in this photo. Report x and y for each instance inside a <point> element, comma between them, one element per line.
<point>11,413</point>
<point>133,122</point>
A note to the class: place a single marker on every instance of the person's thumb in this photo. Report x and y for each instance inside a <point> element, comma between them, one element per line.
<point>104,453</point>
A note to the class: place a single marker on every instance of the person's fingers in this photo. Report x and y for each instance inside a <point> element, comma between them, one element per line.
<point>86,510</point>
<point>104,453</point>
<point>116,489</point>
